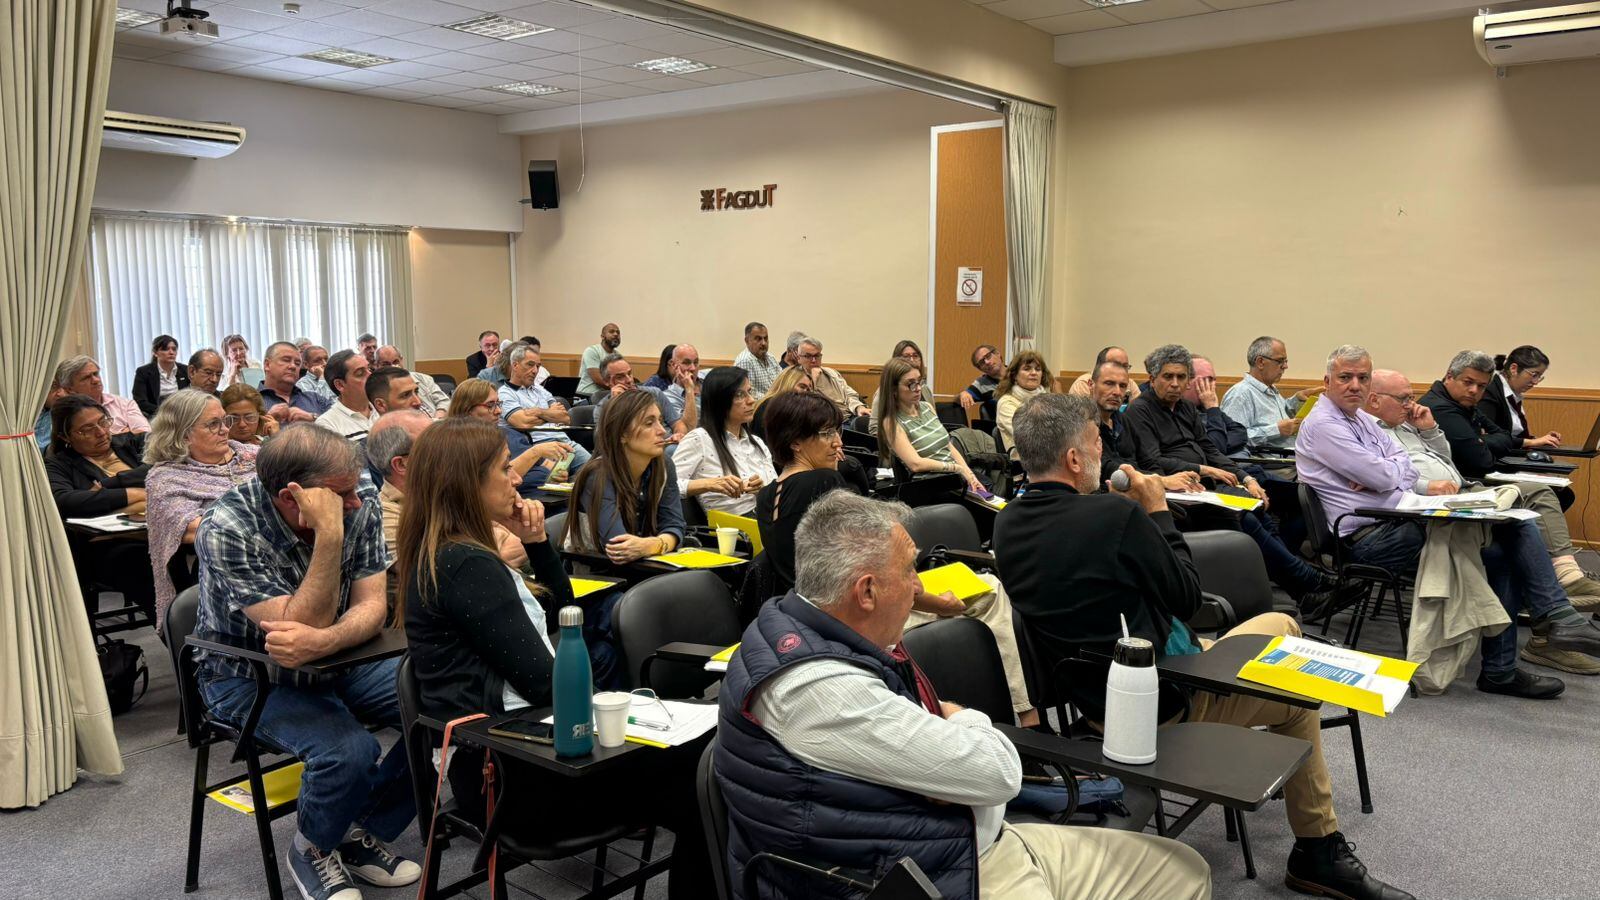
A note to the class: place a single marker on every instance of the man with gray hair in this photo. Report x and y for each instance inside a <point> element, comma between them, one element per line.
<point>833,745</point>
<point>1476,443</point>
<point>292,564</point>
<point>1267,416</point>
<point>828,382</point>
<point>388,448</point>
<point>81,375</point>
<point>314,359</point>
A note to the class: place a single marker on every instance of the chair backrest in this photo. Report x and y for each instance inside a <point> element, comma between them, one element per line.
<point>927,490</point>
<point>1318,531</point>
<point>714,819</point>
<point>1230,565</point>
<point>690,606</point>
<point>419,742</point>
<point>948,524</point>
<point>960,657</point>
<point>694,515</point>
<point>582,415</point>
<point>179,624</point>
<point>858,440</point>
<point>561,385</point>
<point>556,526</point>
<point>446,383</point>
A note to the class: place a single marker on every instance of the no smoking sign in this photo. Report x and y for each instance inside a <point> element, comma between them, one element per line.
<point>969,286</point>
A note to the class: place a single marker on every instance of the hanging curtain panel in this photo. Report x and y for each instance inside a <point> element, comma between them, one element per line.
<point>201,279</point>
<point>1030,137</point>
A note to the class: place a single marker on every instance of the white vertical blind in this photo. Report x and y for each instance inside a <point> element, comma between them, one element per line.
<point>201,279</point>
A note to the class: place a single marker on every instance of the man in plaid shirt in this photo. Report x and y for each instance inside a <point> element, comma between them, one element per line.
<point>294,563</point>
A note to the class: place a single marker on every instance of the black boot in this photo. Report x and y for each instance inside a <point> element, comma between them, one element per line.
<point>1327,867</point>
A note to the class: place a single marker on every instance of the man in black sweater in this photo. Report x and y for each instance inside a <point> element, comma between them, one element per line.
<point>1073,560</point>
<point>1475,442</point>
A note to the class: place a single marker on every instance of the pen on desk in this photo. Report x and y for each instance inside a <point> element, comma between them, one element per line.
<point>653,726</point>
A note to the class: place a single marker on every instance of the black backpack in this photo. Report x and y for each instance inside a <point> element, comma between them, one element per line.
<point>122,666</point>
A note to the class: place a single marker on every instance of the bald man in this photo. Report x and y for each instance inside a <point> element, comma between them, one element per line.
<point>590,379</point>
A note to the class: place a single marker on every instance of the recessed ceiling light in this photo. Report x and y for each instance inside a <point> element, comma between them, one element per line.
<point>526,88</point>
<point>1104,3</point>
<point>133,18</point>
<point>500,28</point>
<point>355,59</point>
<point>672,65</point>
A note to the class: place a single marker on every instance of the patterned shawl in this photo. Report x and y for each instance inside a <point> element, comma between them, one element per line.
<point>177,492</point>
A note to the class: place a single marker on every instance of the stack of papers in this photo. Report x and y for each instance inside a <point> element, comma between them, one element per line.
<point>1534,477</point>
<point>994,503</point>
<point>1212,498</point>
<point>1352,679</point>
<point>958,579</point>
<point>112,524</point>
<point>1440,506</point>
<point>719,662</point>
<point>694,558</point>
<point>648,724</point>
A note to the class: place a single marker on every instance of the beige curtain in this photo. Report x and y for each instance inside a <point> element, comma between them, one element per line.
<point>1030,135</point>
<point>55,62</point>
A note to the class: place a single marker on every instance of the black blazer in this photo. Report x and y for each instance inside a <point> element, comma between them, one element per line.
<point>73,478</point>
<point>1496,405</point>
<point>476,363</point>
<point>147,386</point>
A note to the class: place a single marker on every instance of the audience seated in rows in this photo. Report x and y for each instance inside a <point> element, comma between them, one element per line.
<point>434,399</point>
<point>534,454</point>
<point>251,424</point>
<point>192,462</point>
<point>591,370</point>
<point>677,378</point>
<point>722,464</point>
<point>1083,385</point>
<point>791,379</point>
<point>285,399</point>
<point>480,642</point>
<point>236,358</point>
<point>617,375</point>
<point>1026,377</point>
<point>205,371</point>
<point>161,377</point>
<point>1351,462</point>
<point>1267,416</point>
<point>352,414</point>
<point>315,361</point>
<point>1078,564</point>
<point>828,382</point>
<point>762,367</point>
<point>980,393</point>
<point>81,375</point>
<point>488,353</point>
<point>1110,388</point>
<point>292,563</point>
<point>1476,442</point>
<point>832,746</point>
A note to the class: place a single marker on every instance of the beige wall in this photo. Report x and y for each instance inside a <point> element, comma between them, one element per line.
<point>1379,187</point>
<point>460,286</point>
<point>842,252</point>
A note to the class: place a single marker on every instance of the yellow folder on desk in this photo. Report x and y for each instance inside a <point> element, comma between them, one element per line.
<point>1361,681</point>
<point>583,587</point>
<point>716,518</point>
<point>958,579</point>
<point>696,559</point>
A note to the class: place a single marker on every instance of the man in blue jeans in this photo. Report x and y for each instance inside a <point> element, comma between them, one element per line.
<point>293,563</point>
<point>1344,454</point>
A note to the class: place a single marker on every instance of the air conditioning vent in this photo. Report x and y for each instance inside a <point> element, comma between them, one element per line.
<point>1547,34</point>
<point>176,137</point>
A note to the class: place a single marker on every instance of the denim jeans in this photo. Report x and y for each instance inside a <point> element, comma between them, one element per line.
<point>344,782</point>
<point>1516,563</point>
<point>1286,570</point>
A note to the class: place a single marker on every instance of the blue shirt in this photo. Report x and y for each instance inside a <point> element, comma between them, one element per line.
<point>43,428</point>
<point>513,398</point>
<point>298,398</point>
<point>311,384</point>
<point>669,512</point>
<point>670,414</point>
<point>248,554</point>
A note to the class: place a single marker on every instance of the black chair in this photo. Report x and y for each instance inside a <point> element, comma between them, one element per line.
<point>583,415</point>
<point>562,385</point>
<point>420,742</point>
<point>926,490</point>
<point>948,525</point>
<point>858,440</point>
<point>694,515</point>
<point>203,731</point>
<point>904,882</point>
<point>1335,551</point>
<point>693,606</point>
<point>446,383</point>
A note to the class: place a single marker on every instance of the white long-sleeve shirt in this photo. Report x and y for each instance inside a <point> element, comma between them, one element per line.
<point>696,457</point>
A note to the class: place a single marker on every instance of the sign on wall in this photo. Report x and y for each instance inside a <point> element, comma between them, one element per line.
<point>722,198</point>
<point>969,286</point>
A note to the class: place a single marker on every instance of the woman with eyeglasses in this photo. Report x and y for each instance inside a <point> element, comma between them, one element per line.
<point>246,416</point>
<point>722,464</point>
<point>1517,373</point>
<point>803,432</point>
<point>1027,377</point>
<point>236,358</point>
<point>478,399</point>
<point>193,460</point>
<point>910,431</point>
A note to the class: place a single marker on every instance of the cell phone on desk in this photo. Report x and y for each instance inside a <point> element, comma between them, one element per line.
<point>980,493</point>
<point>1469,504</point>
<point>524,730</point>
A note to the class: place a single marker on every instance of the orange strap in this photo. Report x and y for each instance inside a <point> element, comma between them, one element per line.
<point>438,791</point>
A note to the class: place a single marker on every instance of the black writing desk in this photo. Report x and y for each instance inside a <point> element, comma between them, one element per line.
<point>600,759</point>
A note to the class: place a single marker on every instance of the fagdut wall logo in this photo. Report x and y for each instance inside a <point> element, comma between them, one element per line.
<point>714,199</point>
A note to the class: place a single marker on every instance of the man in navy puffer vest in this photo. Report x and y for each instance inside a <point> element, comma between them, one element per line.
<point>833,747</point>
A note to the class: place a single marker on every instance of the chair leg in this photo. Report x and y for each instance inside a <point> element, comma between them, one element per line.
<point>599,877</point>
<point>197,817</point>
<point>1230,831</point>
<point>1244,845</point>
<point>269,849</point>
<point>1359,748</point>
<point>644,859</point>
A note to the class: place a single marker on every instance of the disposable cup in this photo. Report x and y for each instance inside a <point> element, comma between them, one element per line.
<point>727,539</point>
<point>611,717</point>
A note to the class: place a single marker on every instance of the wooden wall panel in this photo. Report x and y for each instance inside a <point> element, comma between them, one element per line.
<point>969,219</point>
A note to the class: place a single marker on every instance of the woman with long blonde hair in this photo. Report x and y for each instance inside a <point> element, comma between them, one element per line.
<point>794,378</point>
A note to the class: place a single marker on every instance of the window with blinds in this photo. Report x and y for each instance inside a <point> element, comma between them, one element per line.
<point>200,279</point>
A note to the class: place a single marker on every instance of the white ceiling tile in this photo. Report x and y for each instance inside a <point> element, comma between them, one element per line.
<point>455,81</point>
<point>450,102</point>
<point>232,20</point>
<point>624,29</point>
<point>431,12</point>
<point>777,67</point>
<point>373,23</point>
<point>373,77</point>
<point>327,35</point>
<point>392,93</point>
<point>719,76</point>
<point>519,72</point>
<point>493,109</point>
<point>445,39</point>
<point>565,63</point>
<point>267,73</point>
<point>557,15</point>
<point>478,95</point>
<point>306,67</point>
<point>526,103</point>
<point>190,61</point>
<point>732,56</point>
<point>682,44</point>
<point>510,51</point>
<point>563,41</point>
<point>619,91</point>
<point>415,69</point>
<point>239,56</point>
<point>620,73</point>
<point>274,43</point>
<point>159,7</point>
<point>621,54</point>
<point>1156,10</point>
<point>394,48</point>
<point>137,51</point>
<point>668,83</point>
<point>1072,23</point>
<point>493,6</point>
<point>573,82</point>
<point>1038,9</point>
<point>148,37</point>
<point>309,9</point>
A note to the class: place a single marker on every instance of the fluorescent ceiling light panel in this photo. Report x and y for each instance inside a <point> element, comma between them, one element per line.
<point>500,28</point>
<point>672,65</point>
<point>355,59</point>
<point>526,88</point>
<point>133,18</point>
<point>1105,3</point>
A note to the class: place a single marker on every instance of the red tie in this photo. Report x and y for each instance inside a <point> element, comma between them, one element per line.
<point>1517,405</point>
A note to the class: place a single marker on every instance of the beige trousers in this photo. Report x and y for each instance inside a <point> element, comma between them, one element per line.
<point>994,610</point>
<point>1308,794</point>
<point>1069,862</point>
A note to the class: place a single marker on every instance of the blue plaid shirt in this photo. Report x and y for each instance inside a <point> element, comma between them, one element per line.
<point>248,554</point>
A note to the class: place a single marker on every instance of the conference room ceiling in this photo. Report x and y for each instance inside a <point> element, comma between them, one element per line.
<point>579,53</point>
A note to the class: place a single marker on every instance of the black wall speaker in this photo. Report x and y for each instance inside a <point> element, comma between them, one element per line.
<point>542,187</point>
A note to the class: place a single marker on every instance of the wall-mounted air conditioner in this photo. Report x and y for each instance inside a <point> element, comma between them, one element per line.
<point>154,134</point>
<point>1520,37</point>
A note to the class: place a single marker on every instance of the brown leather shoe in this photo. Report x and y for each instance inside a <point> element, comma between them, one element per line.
<point>1539,652</point>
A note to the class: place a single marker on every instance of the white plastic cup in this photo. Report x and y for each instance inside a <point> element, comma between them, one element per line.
<point>611,717</point>
<point>727,540</point>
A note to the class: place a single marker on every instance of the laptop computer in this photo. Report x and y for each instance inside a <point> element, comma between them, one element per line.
<point>1590,448</point>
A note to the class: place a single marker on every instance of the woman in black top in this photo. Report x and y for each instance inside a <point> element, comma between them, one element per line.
<point>479,642</point>
<point>803,435</point>
<point>161,377</point>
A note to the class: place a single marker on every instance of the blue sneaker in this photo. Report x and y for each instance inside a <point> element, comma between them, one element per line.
<point>320,876</point>
<point>371,860</point>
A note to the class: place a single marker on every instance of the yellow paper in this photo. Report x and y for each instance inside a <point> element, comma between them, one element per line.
<point>1305,408</point>
<point>716,518</point>
<point>1352,696</point>
<point>726,655</point>
<point>1233,501</point>
<point>697,559</point>
<point>282,785</point>
<point>958,579</point>
<point>648,743</point>
<point>583,587</point>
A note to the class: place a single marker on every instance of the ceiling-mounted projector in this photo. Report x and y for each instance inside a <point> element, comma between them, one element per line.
<point>190,24</point>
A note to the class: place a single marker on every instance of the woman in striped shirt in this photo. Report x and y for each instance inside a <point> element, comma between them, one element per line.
<point>908,428</point>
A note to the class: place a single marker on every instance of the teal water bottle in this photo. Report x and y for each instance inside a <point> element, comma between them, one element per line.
<point>573,692</point>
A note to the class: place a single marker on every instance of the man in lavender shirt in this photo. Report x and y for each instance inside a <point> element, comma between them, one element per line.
<point>1345,456</point>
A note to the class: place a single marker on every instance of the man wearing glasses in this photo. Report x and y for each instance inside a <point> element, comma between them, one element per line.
<point>828,382</point>
<point>205,371</point>
<point>1267,416</point>
<point>1475,442</point>
<point>990,365</point>
<point>285,400</point>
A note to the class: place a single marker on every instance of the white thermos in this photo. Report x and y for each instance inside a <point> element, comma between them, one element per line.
<point>1131,688</point>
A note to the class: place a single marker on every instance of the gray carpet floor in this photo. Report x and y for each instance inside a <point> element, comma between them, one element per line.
<point>1475,797</point>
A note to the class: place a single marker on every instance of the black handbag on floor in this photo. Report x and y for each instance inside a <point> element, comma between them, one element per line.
<point>122,666</point>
